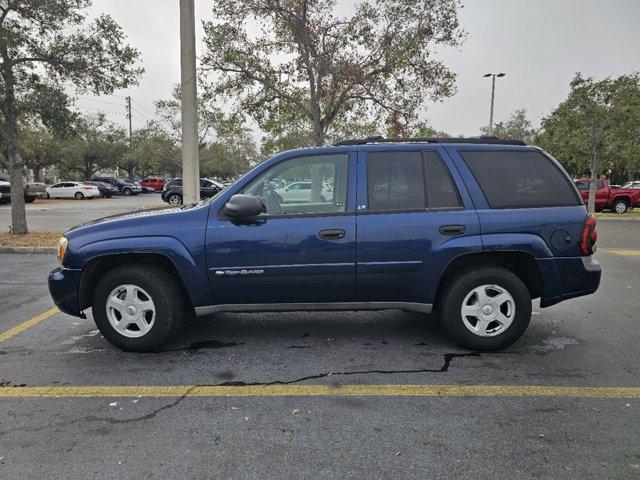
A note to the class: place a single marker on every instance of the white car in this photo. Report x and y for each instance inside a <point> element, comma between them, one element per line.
<point>301,192</point>
<point>77,190</point>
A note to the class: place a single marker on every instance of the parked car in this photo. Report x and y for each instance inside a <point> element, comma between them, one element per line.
<point>157,183</point>
<point>301,192</point>
<point>633,184</point>
<point>5,192</point>
<point>618,200</point>
<point>123,187</point>
<point>32,190</point>
<point>172,191</point>
<point>106,190</point>
<point>77,190</point>
<point>472,229</point>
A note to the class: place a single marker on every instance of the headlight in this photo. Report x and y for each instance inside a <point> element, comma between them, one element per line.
<point>62,248</point>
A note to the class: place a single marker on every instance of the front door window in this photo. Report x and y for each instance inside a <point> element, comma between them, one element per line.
<point>304,185</point>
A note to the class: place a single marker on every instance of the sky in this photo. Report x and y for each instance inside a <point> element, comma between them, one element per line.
<point>539,44</point>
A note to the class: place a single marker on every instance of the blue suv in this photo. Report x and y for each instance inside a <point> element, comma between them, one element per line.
<point>472,229</point>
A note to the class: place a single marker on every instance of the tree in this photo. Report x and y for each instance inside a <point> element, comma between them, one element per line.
<point>226,147</point>
<point>323,67</point>
<point>95,144</point>
<point>578,132</point>
<point>625,135</point>
<point>153,151</point>
<point>516,127</point>
<point>50,44</point>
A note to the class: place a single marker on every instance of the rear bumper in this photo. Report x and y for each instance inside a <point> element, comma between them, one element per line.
<point>565,278</point>
<point>64,286</point>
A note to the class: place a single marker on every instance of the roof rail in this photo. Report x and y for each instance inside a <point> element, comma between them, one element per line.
<point>483,140</point>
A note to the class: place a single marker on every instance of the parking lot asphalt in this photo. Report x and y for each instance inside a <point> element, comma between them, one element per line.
<point>62,214</point>
<point>276,395</point>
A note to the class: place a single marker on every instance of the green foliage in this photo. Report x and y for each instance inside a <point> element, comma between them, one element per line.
<point>226,145</point>
<point>516,127</point>
<point>586,130</point>
<point>46,45</point>
<point>309,72</point>
<point>94,144</point>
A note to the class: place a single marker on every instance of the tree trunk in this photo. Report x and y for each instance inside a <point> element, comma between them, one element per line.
<point>87,169</point>
<point>12,152</point>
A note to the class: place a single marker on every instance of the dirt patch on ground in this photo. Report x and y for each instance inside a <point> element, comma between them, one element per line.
<point>35,239</point>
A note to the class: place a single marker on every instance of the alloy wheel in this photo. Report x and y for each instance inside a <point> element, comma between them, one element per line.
<point>130,311</point>
<point>488,310</point>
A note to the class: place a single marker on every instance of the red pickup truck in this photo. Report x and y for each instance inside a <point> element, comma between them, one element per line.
<point>157,183</point>
<point>618,200</point>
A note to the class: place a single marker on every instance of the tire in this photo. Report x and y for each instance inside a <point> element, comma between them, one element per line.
<point>46,195</point>
<point>29,199</point>
<point>107,196</point>
<point>174,199</point>
<point>153,283</point>
<point>127,191</point>
<point>620,206</point>
<point>463,290</point>
<point>79,195</point>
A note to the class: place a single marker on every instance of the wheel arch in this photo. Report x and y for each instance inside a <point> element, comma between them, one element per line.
<point>100,265</point>
<point>521,263</point>
<point>625,198</point>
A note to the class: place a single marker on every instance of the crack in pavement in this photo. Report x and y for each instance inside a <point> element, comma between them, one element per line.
<point>148,416</point>
<point>448,357</point>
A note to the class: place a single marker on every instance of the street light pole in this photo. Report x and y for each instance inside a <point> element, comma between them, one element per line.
<point>189,94</point>
<point>493,96</point>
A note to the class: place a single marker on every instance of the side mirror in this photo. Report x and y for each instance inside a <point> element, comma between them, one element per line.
<point>244,206</point>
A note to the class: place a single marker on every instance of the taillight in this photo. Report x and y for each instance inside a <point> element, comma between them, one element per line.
<point>588,236</point>
<point>87,188</point>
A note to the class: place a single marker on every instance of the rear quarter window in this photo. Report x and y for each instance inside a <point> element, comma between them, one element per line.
<point>520,179</point>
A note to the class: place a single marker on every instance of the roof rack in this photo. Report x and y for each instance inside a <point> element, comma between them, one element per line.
<point>484,140</point>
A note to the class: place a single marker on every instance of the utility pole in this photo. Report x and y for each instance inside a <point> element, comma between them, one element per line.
<point>130,119</point>
<point>190,161</point>
<point>493,95</point>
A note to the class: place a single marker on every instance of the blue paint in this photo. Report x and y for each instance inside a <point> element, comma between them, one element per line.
<point>383,257</point>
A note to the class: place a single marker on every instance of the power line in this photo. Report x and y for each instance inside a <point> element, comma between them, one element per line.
<point>143,108</point>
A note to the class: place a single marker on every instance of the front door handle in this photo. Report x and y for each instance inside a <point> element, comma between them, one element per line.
<point>452,229</point>
<point>332,234</point>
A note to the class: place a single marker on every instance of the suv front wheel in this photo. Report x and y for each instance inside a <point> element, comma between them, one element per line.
<point>137,307</point>
<point>486,308</point>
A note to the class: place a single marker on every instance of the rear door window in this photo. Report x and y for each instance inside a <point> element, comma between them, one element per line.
<point>520,179</point>
<point>441,191</point>
<point>395,181</point>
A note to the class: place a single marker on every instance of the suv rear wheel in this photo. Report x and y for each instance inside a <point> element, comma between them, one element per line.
<point>486,308</point>
<point>137,307</point>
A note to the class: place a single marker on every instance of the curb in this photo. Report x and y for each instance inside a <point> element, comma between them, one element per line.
<point>32,250</point>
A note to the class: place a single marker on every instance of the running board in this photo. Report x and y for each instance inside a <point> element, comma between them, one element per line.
<point>296,307</point>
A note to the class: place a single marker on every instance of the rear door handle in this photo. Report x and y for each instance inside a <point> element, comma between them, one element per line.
<point>332,234</point>
<point>452,229</point>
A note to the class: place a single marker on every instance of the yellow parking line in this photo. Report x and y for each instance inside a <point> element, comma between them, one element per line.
<point>28,324</point>
<point>622,251</point>
<point>321,390</point>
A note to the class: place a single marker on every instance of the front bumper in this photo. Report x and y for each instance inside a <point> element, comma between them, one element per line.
<point>565,278</point>
<point>64,286</point>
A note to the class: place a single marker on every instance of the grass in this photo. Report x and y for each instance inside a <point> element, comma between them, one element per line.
<point>35,239</point>
<point>635,213</point>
